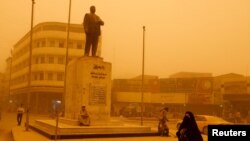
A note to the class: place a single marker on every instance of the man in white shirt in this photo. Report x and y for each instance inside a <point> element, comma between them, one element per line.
<point>20,111</point>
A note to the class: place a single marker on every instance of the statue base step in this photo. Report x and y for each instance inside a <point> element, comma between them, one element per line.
<point>67,131</point>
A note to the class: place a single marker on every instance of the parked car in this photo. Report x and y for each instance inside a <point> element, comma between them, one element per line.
<point>204,120</point>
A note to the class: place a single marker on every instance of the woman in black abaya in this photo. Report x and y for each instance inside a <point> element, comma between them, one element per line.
<point>188,130</point>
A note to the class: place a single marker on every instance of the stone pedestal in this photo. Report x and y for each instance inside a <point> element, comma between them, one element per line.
<point>88,83</point>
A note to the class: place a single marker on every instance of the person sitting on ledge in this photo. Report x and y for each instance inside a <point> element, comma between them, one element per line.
<point>84,119</point>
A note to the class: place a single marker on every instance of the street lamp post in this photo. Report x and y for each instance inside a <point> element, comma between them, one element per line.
<point>66,58</point>
<point>10,69</point>
<point>65,75</point>
<point>30,62</point>
<point>142,82</point>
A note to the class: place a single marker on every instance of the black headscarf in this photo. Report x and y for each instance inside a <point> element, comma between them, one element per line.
<point>190,124</point>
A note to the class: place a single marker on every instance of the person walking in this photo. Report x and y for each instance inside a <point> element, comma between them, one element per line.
<point>20,111</point>
<point>188,130</point>
<point>248,117</point>
<point>92,27</point>
<point>162,125</point>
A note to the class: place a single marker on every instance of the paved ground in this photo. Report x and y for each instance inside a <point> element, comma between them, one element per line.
<point>7,122</point>
<point>8,127</point>
<point>20,134</point>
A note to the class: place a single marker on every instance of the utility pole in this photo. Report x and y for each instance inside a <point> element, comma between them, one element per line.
<point>66,59</point>
<point>29,73</point>
<point>10,69</point>
<point>142,80</point>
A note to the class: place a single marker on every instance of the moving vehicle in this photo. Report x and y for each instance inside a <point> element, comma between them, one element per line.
<point>204,120</point>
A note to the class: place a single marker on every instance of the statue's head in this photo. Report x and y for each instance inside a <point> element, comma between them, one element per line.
<point>92,9</point>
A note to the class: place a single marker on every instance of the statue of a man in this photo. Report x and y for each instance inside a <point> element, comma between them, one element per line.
<point>92,27</point>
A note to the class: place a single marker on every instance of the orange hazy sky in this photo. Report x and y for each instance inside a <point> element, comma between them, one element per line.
<point>211,36</point>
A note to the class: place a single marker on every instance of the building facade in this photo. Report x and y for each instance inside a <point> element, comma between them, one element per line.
<point>235,93</point>
<point>180,92</point>
<point>47,64</point>
<point>201,93</point>
<point>3,91</point>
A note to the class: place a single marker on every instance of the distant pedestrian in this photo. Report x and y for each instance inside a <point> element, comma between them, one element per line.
<point>238,118</point>
<point>20,111</point>
<point>230,117</point>
<point>248,118</point>
<point>162,125</point>
<point>188,130</point>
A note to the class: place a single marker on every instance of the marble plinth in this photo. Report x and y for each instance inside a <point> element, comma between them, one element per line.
<point>88,83</point>
<point>48,128</point>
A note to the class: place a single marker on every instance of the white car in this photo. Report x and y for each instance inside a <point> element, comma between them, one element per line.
<point>204,120</point>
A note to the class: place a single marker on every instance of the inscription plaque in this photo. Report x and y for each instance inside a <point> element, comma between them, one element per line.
<point>98,94</point>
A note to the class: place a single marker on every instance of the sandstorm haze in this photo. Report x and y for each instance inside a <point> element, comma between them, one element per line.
<point>181,35</point>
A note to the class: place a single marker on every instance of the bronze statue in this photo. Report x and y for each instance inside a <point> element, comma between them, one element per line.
<point>92,27</point>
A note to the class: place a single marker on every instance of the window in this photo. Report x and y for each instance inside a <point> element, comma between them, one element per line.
<point>51,59</point>
<point>42,59</point>
<point>50,76</point>
<point>60,76</point>
<point>61,44</point>
<point>41,75</point>
<point>43,43</point>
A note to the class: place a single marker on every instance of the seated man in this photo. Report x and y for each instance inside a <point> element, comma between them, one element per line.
<point>84,117</point>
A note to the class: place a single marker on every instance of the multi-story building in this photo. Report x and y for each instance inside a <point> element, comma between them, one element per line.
<point>2,91</point>
<point>47,65</point>
<point>7,102</point>
<point>4,95</point>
